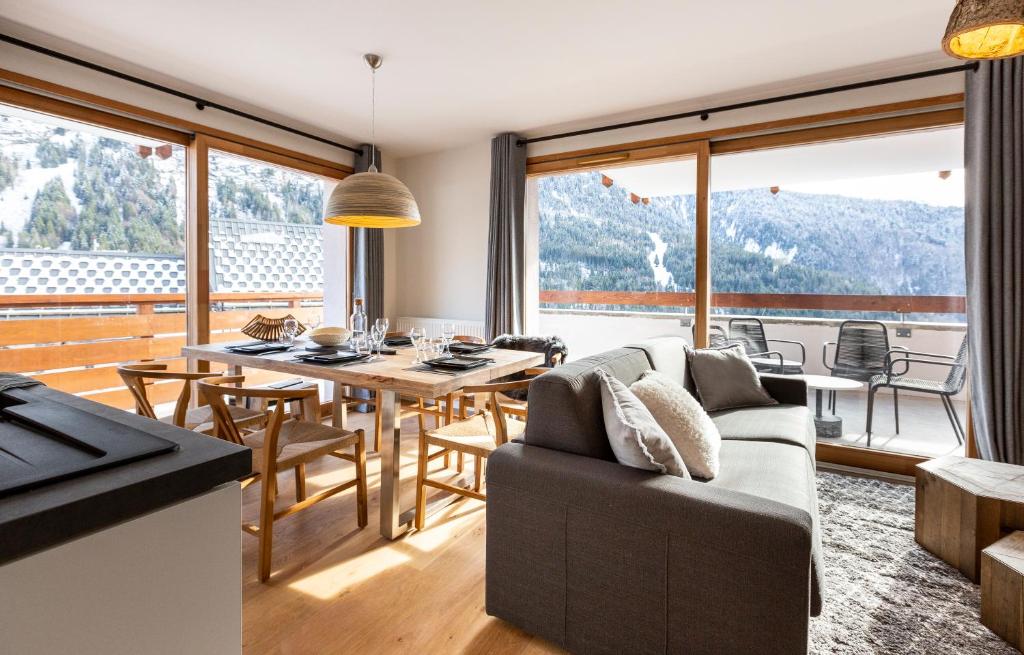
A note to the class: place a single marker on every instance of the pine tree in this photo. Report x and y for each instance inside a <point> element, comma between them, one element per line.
<point>52,216</point>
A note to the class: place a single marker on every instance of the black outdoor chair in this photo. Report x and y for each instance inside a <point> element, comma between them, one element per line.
<point>750,332</point>
<point>946,389</point>
<point>861,351</point>
<point>717,338</point>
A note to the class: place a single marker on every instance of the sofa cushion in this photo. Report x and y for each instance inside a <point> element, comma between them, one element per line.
<point>726,379</point>
<point>687,424</point>
<point>667,355</point>
<point>565,403</point>
<point>790,424</point>
<point>779,472</point>
<point>633,433</point>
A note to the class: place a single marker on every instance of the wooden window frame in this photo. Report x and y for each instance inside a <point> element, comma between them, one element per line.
<point>34,94</point>
<point>865,122</point>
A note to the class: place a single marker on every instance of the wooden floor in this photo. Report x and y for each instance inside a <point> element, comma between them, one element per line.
<point>338,589</point>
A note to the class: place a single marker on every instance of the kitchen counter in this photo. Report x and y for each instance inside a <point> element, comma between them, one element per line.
<point>39,518</point>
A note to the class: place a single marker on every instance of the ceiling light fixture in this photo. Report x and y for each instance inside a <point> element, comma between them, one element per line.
<point>985,29</point>
<point>372,199</point>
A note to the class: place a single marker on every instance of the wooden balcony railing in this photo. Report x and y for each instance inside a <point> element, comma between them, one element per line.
<point>80,354</point>
<point>796,301</point>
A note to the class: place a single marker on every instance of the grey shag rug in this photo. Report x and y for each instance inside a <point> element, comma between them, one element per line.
<point>884,593</point>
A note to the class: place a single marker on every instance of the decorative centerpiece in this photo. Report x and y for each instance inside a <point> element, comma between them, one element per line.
<point>330,337</point>
<point>269,329</point>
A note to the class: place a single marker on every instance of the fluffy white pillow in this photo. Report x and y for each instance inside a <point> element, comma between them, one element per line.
<point>634,435</point>
<point>691,430</point>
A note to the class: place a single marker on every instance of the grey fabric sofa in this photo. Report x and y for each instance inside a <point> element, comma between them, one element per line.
<point>601,558</point>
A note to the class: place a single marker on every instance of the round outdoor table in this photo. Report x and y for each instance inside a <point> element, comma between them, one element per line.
<point>827,426</point>
<point>773,361</point>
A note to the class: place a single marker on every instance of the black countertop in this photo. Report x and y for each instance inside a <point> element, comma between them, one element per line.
<point>40,518</point>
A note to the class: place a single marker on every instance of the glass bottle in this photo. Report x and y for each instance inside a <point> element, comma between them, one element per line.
<point>357,323</point>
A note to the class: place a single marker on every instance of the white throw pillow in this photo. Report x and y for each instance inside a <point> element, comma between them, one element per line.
<point>634,435</point>
<point>691,430</point>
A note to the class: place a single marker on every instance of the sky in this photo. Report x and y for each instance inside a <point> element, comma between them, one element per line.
<point>927,188</point>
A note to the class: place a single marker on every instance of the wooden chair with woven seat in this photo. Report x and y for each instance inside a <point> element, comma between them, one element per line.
<point>138,376</point>
<point>477,435</point>
<point>285,443</point>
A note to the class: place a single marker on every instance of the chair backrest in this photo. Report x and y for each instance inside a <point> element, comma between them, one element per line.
<point>717,338</point>
<point>749,331</point>
<point>958,372</point>
<point>216,389</point>
<point>137,376</point>
<point>468,338</point>
<point>495,406</point>
<point>860,349</point>
<point>554,349</point>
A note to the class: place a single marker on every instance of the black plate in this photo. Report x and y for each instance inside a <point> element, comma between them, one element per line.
<point>458,363</point>
<point>398,342</point>
<point>258,348</point>
<point>332,358</point>
<point>460,348</point>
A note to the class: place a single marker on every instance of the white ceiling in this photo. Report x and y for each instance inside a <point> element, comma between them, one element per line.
<point>818,168</point>
<point>462,70</point>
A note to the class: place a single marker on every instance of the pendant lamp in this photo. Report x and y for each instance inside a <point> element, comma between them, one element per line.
<point>985,29</point>
<point>372,199</point>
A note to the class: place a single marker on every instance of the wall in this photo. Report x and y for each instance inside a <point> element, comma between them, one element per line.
<point>452,187</point>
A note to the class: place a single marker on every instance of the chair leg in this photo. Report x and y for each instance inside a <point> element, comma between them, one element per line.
<point>458,462</point>
<point>871,411</point>
<point>835,397</point>
<point>378,428</point>
<point>300,482</point>
<point>361,502</point>
<point>266,533</point>
<point>896,408</point>
<point>478,473</point>
<point>421,475</point>
<point>954,419</point>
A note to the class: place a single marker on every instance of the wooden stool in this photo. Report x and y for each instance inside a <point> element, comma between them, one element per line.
<point>1002,588</point>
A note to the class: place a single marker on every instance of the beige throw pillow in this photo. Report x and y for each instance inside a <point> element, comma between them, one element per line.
<point>726,379</point>
<point>634,436</point>
<point>691,430</point>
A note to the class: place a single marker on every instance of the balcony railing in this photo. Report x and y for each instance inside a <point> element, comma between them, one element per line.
<point>795,301</point>
<point>74,343</point>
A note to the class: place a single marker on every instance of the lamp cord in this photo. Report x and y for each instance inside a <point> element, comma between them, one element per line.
<point>373,120</point>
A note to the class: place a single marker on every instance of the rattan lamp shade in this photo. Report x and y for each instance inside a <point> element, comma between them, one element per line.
<point>985,29</point>
<point>372,200</point>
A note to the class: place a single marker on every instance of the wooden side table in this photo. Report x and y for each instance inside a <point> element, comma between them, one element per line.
<point>1002,588</point>
<point>965,505</point>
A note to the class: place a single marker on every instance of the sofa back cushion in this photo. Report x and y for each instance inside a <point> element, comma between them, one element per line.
<point>565,402</point>
<point>667,355</point>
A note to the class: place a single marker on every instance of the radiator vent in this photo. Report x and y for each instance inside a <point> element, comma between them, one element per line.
<point>433,326</point>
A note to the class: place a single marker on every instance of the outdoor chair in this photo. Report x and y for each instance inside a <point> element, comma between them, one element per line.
<point>860,354</point>
<point>717,338</point>
<point>895,378</point>
<point>750,332</point>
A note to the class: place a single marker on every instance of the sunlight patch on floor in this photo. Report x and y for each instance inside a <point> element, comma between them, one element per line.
<point>332,581</point>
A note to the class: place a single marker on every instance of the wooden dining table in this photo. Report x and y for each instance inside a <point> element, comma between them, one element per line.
<point>391,377</point>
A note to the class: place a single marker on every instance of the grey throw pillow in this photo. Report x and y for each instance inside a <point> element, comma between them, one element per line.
<point>726,379</point>
<point>635,437</point>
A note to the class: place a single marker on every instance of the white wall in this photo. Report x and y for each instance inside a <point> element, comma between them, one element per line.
<point>441,265</point>
<point>452,187</point>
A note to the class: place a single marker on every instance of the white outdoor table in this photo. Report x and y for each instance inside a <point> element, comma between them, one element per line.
<point>827,426</point>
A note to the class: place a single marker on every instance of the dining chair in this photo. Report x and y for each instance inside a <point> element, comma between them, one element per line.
<point>749,331</point>
<point>945,389</point>
<point>138,376</point>
<point>468,338</point>
<point>285,443</point>
<point>477,435</point>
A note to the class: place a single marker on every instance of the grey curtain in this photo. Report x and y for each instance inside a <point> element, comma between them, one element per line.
<point>368,254</point>
<point>506,305</point>
<point>994,158</point>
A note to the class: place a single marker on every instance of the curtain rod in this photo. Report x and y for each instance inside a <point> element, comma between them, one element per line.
<point>706,113</point>
<point>200,103</point>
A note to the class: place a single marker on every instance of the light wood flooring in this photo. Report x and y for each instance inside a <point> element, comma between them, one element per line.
<point>338,589</point>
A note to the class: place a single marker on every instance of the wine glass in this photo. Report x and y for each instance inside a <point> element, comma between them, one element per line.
<point>290,328</point>
<point>417,335</point>
<point>383,324</point>
<point>377,338</point>
<point>448,332</point>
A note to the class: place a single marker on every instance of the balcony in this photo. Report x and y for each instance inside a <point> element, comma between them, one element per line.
<point>594,321</point>
<point>75,343</point>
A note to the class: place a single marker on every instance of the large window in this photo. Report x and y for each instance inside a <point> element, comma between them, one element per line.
<point>806,237</point>
<point>92,247</point>
<point>266,245</point>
